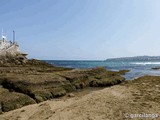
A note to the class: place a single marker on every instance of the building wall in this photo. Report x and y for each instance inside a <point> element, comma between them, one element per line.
<point>5,44</point>
<point>12,50</point>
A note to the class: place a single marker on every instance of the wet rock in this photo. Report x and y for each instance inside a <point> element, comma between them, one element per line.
<point>107,82</point>
<point>12,100</point>
<point>156,68</point>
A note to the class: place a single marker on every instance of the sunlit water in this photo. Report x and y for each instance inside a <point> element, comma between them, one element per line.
<point>137,68</point>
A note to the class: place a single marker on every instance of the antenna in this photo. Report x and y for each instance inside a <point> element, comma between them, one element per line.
<point>3,37</point>
<point>13,36</point>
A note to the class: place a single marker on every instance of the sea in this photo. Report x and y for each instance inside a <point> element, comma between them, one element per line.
<point>137,68</point>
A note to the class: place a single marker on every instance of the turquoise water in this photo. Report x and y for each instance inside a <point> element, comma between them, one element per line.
<point>137,68</point>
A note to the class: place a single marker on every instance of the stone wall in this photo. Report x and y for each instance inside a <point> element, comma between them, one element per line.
<point>12,50</point>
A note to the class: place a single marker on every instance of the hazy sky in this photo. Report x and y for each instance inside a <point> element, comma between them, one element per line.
<point>83,29</point>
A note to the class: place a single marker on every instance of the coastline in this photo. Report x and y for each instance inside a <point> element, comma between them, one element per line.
<point>36,81</point>
<point>80,60</point>
<point>38,90</point>
<point>137,68</point>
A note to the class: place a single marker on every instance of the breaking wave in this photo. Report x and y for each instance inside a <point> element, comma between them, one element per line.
<point>146,63</point>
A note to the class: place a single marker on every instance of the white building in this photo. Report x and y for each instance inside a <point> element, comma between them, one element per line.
<point>9,48</point>
<point>4,44</point>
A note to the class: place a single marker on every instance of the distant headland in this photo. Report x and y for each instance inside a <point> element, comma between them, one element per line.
<point>137,58</point>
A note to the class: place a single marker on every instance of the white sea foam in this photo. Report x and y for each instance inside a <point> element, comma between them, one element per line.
<point>146,63</point>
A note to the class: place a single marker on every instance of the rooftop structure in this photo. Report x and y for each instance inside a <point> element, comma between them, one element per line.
<point>9,47</point>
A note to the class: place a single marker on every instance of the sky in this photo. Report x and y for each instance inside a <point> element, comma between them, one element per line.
<point>83,29</point>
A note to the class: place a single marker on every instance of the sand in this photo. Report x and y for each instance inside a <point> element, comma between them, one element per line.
<point>112,103</point>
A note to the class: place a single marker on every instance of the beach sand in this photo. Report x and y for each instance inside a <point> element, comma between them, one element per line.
<point>140,96</point>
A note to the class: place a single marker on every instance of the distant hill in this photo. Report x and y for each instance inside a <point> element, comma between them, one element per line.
<point>136,58</point>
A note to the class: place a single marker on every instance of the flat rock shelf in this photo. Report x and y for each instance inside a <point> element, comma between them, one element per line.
<point>34,81</point>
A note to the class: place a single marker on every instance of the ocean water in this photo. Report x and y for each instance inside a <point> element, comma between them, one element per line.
<point>137,68</point>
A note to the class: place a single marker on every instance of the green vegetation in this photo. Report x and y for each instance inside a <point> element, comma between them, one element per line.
<point>13,100</point>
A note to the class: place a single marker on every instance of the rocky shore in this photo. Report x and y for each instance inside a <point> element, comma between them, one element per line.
<point>138,99</point>
<point>24,82</point>
<point>29,90</point>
